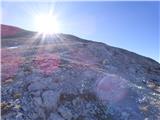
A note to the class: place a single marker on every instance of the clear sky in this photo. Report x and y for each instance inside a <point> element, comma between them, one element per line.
<point>130,25</point>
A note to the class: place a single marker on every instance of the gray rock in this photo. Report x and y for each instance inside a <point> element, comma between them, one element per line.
<point>36,86</point>
<point>38,101</point>
<point>36,93</point>
<point>66,113</point>
<point>50,99</point>
<point>55,116</point>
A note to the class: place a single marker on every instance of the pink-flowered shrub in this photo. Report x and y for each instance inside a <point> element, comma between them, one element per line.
<point>46,63</point>
<point>10,63</point>
<point>7,31</point>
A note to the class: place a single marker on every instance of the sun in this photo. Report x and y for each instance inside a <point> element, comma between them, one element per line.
<point>46,24</point>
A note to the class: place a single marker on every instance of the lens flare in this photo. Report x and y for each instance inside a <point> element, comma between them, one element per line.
<point>112,88</point>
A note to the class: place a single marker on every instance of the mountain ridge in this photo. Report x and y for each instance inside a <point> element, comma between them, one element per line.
<point>63,77</point>
<point>4,28</point>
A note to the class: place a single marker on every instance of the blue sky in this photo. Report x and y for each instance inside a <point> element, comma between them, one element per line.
<point>130,25</point>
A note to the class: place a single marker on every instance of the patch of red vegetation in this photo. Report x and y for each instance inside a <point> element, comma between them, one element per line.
<point>10,62</point>
<point>7,31</point>
<point>46,63</point>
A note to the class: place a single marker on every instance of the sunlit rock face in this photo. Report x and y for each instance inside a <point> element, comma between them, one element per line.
<point>63,77</point>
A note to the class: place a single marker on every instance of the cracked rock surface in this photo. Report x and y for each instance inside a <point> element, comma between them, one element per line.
<point>68,78</point>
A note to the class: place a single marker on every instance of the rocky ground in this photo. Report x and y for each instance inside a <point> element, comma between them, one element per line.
<point>68,78</point>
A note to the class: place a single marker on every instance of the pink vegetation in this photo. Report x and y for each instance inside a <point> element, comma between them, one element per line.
<point>9,30</point>
<point>10,61</point>
<point>46,63</point>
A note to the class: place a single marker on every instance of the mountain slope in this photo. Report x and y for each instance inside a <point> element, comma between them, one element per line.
<point>63,77</point>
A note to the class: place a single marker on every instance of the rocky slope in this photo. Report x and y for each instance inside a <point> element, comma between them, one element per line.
<point>63,77</point>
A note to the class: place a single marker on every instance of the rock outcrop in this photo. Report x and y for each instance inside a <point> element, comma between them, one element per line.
<point>63,77</point>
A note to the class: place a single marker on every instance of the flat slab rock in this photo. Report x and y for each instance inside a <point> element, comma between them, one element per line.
<point>80,80</point>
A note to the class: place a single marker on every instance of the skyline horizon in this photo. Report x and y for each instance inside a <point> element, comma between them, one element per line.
<point>84,39</point>
<point>121,24</point>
